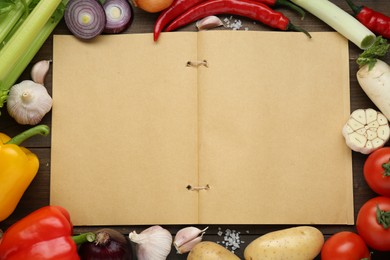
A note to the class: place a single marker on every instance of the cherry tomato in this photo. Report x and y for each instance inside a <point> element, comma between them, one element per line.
<point>373,223</point>
<point>377,171</point>
<point>345,245</point>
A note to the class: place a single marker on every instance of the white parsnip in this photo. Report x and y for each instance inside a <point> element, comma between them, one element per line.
<point>339,20</point>
<point>375,82</point>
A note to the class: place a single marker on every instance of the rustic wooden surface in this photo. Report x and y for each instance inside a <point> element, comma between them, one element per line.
<point>37,195</point>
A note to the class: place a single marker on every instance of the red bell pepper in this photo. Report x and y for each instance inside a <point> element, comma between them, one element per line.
<point>44,234</point>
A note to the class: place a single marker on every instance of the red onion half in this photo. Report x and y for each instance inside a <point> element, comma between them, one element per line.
<point>109,244</point>
<point>85,19</point>
<point>119,15</point>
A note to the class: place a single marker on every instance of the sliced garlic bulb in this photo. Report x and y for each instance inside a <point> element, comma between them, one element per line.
<point>28,102</point>
<point>366,130</point>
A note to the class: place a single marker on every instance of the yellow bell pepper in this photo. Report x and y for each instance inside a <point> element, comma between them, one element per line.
<point>18,167</point>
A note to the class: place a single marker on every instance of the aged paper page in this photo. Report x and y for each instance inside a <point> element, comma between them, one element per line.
<point>124,138</point>
<point>272,106</point>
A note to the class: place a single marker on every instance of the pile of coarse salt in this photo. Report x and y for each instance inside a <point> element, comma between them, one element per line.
<point>231,239</point>
<point>232,23</point>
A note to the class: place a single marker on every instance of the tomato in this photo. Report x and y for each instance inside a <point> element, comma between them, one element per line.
<point>372,228</point>
<point>345,245</point>
<point>377,171</point>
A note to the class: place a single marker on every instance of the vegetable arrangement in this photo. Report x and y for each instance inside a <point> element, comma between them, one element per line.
<point>156,242</point>
<point>22,33</point>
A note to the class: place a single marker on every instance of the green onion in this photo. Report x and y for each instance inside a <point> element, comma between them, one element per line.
<point>26,41</point>
<point>340,20</point>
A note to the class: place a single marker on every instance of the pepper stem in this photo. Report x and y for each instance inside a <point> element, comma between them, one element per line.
<point>386,167</point>
<point>355,9</point>
<point>292,6</point>
<point>383,217</point>
<point>83,238</point>
<point>20,138</point>
<point>292,27</point>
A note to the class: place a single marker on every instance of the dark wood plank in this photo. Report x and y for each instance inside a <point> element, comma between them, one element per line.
<point>37,195</point>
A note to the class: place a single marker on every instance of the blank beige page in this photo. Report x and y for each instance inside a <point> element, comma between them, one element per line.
<point>272,106</point>
<point>124,138</point>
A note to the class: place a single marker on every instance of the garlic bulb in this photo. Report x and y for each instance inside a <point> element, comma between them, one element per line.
<point>154,243</point>
<point>186,238</point>
<point>28,102</point>
<point>39,71</point>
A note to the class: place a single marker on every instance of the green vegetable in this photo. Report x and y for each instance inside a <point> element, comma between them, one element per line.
<point>378,50</point>
<point>11,15</point>
<point>23,43</point>
<point>340,20</point>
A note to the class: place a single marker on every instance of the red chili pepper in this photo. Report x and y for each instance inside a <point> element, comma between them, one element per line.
<point>177,7</point>
<point>180,6</point>
<point>285,3</point>
<point>373,20</point>
<point>43,234</point>
<point>247,8</point>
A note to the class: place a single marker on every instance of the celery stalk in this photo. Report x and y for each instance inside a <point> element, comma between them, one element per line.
<point>35,45</point>
<point>20,42</point>
<point>18,23</point>
<point>12,17</point>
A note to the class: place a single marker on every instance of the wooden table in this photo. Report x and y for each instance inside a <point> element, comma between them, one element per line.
<point>37,195</point>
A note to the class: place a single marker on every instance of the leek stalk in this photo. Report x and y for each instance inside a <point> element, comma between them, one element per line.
<point>14,50</point>
<point>339,20</point>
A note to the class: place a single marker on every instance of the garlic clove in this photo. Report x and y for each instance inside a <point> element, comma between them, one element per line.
<point>209,22</point>
<point>154,243</point>
<point>28,102</point>
<point>186,238</point>
<point>39,71</point>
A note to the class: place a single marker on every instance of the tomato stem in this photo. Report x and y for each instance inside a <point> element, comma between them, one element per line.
<point>386,167</point>
<point>383,217</point>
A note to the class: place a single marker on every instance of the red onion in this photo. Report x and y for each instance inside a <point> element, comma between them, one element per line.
<point>108,245</point>
<point>119,15</point>
<point>85,19</point>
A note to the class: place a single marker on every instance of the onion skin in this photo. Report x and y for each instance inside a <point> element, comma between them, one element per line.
<point>152,6</point>
<point>85,19</point>
<point>117,25</point>
<point>108,245</point>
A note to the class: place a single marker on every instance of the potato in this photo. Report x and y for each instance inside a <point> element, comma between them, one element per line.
<point>301,243</point>
<point>207,250</point>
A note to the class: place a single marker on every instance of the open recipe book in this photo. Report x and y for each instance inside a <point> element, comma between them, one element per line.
<point>215,127</point>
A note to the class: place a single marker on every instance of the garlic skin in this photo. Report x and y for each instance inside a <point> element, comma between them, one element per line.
<point>28,102</point>
<point>186,238</point>
<point>209,22</point>
<point>39,71</point>
<point>154,243</point>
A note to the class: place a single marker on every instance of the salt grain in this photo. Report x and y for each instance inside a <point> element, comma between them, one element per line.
<point>231,239</point>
